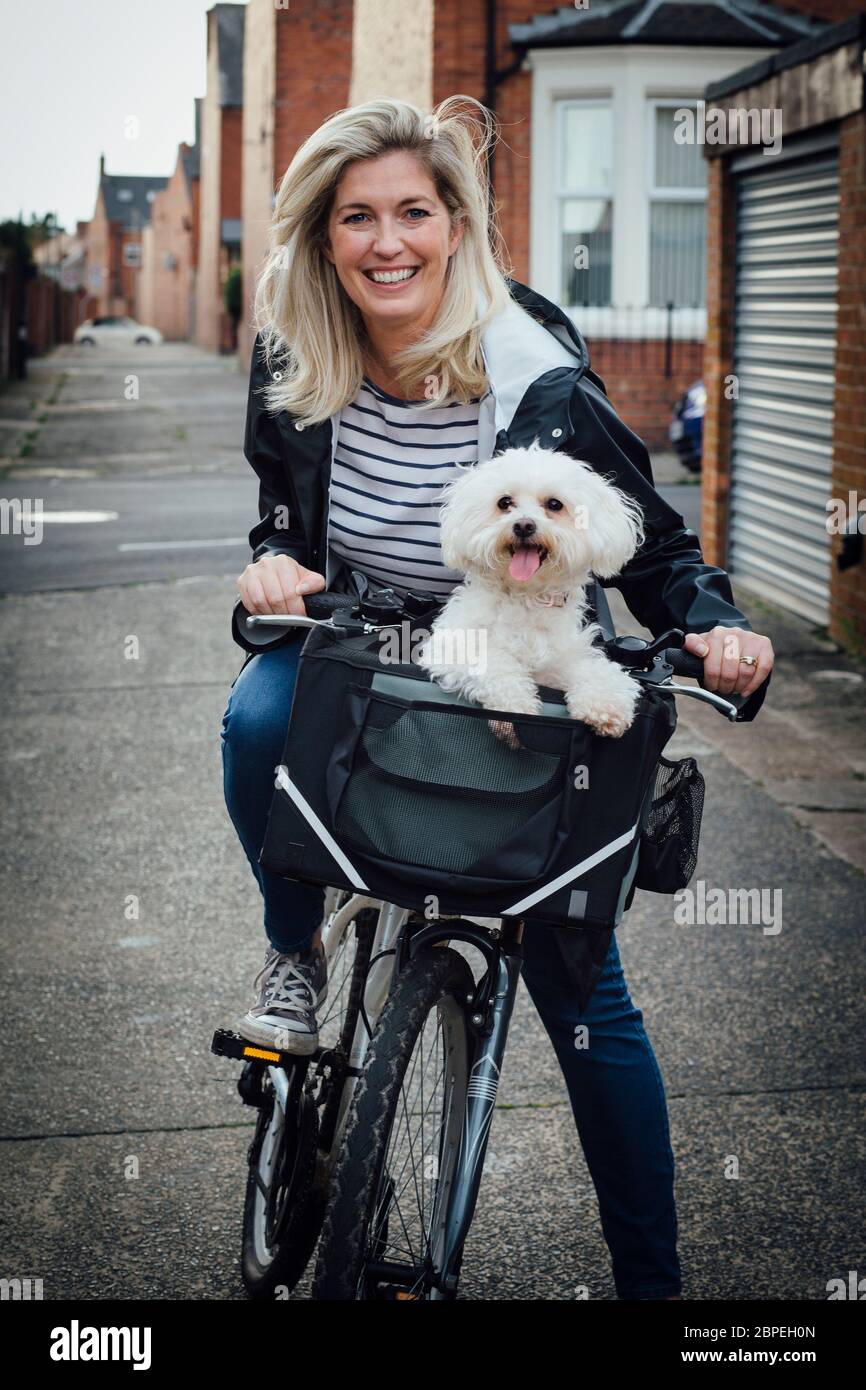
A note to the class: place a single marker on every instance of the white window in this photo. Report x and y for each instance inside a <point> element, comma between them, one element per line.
<point>132,253</point>
<point>608,177</point>
<point>585,201</point>
<point>677,191</point>
<point>124,195</point>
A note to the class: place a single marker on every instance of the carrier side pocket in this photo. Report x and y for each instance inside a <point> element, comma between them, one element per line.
<point>672,828</point>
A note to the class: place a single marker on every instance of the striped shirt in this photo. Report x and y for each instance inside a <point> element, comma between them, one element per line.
<point>390,464</point>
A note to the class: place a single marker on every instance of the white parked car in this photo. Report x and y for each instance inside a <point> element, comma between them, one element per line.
<point>105,332</point>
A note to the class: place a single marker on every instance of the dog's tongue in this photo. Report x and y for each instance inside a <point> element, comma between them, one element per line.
<point>524,562</point>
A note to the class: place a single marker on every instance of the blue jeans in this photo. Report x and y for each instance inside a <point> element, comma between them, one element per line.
<point>614,1084</point>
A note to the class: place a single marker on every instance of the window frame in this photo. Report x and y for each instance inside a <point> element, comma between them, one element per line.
<point>605,101</point>
<point>627,76</point>
<point>660,193</point>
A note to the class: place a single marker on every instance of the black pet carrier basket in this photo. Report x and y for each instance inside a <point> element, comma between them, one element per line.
<point>391,786</point>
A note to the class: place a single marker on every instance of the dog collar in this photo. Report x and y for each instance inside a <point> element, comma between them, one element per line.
<point>554,598</point>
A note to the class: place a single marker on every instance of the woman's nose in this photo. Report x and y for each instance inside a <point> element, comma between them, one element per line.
<point>388,235</point>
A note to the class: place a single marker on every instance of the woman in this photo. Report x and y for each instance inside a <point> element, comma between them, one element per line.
<point>394,349</point>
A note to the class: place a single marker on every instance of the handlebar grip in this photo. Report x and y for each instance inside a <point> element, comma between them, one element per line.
<point>684,663</point>
<point>324,603</point>
<point>258,639</point>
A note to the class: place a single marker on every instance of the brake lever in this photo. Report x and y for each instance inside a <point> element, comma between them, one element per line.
<point>661,673</point>
<point>288,620</point>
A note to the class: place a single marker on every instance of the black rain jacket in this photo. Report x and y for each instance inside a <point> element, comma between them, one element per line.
<point>541,387</point>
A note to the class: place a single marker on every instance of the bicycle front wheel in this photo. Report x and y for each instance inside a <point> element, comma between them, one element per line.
<point>383,1235</point>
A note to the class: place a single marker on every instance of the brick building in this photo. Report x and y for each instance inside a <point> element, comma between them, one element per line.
<point>571,87</point>
<point>167,282</point>
<point>123,210</point>
<point>785,431</point>
<point>297,72</point>
<point>221,166</point>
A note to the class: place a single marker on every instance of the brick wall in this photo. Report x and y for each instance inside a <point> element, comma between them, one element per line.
<point>297,72</point>
<point>847,590</point>
<point>392,51</point>
<point>53,314</point>
<point>99,257</point>
<point>218,125</point>
<point>718,359</point>
<point>166,280</point>
<point>638,386</point>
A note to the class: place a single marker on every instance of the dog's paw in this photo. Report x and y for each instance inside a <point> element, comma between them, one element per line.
<point>611,716</point>
<point>611,723</point>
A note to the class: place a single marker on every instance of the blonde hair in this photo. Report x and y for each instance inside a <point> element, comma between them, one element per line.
<point>305,316</point>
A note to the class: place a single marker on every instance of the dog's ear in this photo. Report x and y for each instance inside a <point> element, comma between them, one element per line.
<point>614,524</point>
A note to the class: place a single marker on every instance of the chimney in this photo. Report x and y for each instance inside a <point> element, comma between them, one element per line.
<point>101,167</point>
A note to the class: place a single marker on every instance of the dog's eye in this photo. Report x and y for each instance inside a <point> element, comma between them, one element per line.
<point>553,504</point>
<point>504,503</point>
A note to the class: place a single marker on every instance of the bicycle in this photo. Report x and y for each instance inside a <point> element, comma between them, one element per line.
<point>374,1146</point>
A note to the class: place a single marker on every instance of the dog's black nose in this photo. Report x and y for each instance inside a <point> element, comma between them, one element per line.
<point>524,528</point>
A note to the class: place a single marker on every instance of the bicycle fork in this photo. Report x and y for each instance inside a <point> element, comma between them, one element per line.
<point>489,1027</point>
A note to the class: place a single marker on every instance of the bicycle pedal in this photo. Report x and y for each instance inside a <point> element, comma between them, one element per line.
<point>225,1043</point>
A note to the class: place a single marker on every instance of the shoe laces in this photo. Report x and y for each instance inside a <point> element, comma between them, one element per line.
<point>284,984</point>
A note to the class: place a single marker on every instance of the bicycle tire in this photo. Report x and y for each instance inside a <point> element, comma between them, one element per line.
<point>436,977</point>
<point>303,1223</point>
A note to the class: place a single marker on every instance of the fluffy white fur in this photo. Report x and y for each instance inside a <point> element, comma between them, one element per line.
<point>505,505</point>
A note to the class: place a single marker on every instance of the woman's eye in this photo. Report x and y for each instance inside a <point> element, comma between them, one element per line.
<point>504,503</point>
<point>353,215</point>
<point>553,504</point>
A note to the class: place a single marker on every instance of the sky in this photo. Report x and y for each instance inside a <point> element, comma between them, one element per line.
<point>80,77</point>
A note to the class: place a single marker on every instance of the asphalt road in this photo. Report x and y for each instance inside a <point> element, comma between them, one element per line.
<point>162,479</point>
<point>133,928</point>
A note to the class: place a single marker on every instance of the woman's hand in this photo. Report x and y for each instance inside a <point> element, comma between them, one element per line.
<point>275,583</point>
<point>722,650</point>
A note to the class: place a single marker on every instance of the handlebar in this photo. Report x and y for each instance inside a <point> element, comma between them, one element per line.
<point>652,663</point>
<point>684,663</point>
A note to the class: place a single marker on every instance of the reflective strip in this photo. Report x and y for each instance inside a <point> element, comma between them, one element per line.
<point>306,810</point>
<point>582,868</point>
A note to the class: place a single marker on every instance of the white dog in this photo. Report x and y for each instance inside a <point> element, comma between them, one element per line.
<point>527,530</point>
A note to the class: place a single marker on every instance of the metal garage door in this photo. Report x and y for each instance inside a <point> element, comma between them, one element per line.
<point>784,355</point>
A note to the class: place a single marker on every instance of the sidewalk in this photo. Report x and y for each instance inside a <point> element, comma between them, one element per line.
<point>133,923</point>
<point>136,929</point>
<point>809,752</point>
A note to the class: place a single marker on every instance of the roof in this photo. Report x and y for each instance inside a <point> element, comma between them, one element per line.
<point>190,155</point>
<point>692,23</point>
<point>126,197</point>
<point>849,31</point>
<point>230,53</point>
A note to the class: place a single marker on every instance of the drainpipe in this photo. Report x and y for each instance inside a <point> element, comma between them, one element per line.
<point>493,76</point>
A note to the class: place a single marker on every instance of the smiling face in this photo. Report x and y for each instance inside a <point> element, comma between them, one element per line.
<point>389,240</point>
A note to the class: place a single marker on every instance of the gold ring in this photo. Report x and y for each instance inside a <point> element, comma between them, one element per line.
<point>748,661</point>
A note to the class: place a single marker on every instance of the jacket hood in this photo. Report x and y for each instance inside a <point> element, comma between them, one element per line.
<point>526,340</point>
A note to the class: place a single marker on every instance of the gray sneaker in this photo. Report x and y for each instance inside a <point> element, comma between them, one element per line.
<point>290,989</point>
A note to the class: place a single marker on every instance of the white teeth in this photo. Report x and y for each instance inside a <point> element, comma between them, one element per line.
<point>390,277</point>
